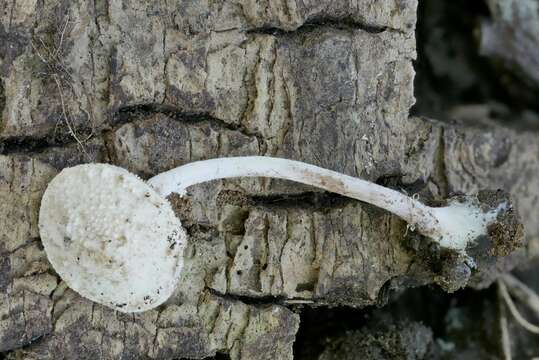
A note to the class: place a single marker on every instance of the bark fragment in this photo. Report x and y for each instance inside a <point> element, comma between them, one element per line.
<point>150,86</point>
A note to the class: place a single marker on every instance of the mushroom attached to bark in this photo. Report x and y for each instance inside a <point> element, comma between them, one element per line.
<point>453,226</point>
<point>111,237</point>
<point>114,238</point>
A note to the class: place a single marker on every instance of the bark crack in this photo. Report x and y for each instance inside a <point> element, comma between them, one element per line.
<point>314,24</point>
<point>253,300</point>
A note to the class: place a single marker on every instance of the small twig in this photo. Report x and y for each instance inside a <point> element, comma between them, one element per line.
<point>71,131</point>
<point>57,70</point>
<point>37,52</point>
<point>45,47</point>
<point>506,340</point>
<point>59,47</point>
<point>52,59</point>
<point>514,311</point>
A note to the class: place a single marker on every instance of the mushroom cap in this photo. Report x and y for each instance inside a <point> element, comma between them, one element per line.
<point>111,237</point>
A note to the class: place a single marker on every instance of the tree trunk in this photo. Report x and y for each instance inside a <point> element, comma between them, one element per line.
<point>152,85</point>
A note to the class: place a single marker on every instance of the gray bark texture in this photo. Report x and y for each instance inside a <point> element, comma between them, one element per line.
<point>512,35</point>
<point>152,85</point>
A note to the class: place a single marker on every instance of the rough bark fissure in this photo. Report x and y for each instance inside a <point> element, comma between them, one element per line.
<point>28,145</point>
<point>304,200</point>
<point>283,246</point>
<point>242,332</point>
<point>251,299</point>
<point>134,113</point>
<point>161,85</point>
<point>440,169</point>
<point>30,242</point>
<point>2,96</point>
<point>321,23</point>
<point>264,262</point>
<point>125,115</point>
<point>156,332</point>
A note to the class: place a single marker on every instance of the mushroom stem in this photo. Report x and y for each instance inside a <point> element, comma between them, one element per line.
<point>453,226</point>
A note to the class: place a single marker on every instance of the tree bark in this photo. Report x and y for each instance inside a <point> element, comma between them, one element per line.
<point>152,85</point>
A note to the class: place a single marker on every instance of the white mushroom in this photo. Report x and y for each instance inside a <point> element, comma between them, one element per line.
<point>453,226</point>
<point>111,237</point>
<point>115,240</point>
